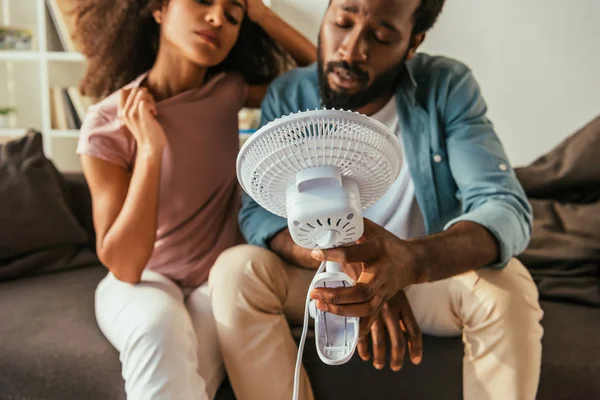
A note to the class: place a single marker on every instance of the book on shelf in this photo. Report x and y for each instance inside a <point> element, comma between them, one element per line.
<point>64,22</point>
<point>67,107</point>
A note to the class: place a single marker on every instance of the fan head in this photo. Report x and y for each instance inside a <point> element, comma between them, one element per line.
<point>362,149</point>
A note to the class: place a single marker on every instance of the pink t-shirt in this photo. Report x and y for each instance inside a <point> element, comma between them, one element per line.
<point>198,195</point>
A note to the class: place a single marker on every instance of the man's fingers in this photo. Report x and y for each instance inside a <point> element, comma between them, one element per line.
<point>378,338</point>
<point>350,308</point>
<point>366,287</point>
<point>363,348</point>
<point>392,318</point>
<point>361,252</point>
<point>365,325</point>
<point>415,338</point>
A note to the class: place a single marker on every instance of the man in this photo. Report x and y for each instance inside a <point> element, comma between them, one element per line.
<point>442,240</point>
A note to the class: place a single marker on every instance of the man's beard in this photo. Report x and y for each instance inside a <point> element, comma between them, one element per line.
<point>341,99</point>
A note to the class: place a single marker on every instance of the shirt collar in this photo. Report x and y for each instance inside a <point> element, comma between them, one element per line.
<point>408,83</point>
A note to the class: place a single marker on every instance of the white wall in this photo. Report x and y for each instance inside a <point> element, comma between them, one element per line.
<point>537,61</point>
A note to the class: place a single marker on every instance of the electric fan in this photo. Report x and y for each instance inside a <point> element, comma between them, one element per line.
<point>320,169</point>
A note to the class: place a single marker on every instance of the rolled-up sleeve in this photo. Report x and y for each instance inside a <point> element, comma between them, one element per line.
<point>488,187</point>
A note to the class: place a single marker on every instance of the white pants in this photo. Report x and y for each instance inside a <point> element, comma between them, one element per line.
<point>166,337</point>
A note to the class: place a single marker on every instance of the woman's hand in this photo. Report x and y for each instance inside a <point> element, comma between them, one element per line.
<point>137,110</point>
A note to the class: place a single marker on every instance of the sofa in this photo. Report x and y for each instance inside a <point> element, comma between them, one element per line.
<point>52,349</point>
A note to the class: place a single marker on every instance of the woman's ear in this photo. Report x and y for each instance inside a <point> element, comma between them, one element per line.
<point>414,45</point>
<point>158,14</point>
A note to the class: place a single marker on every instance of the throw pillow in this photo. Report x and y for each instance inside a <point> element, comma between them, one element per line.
<point>36,222</point>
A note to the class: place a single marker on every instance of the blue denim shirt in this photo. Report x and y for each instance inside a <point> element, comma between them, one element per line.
<point>458,165</point>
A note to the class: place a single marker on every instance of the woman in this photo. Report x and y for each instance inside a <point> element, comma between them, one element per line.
<point>158,152</point>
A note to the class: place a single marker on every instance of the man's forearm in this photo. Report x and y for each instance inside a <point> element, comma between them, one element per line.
<point>284,246</point>
<point>464,247</point>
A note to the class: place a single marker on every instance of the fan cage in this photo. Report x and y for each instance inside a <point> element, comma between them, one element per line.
<point>362,148</point>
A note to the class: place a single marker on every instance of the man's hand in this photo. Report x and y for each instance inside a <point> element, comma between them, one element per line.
<point>388,264</point>
<point>283,245</point>
<point>397,318</point>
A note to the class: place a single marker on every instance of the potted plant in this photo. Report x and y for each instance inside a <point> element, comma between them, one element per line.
<point>4,115</point>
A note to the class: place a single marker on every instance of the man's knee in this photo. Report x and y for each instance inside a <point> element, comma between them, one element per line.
<point>508,295</point>
<point>233,262</point>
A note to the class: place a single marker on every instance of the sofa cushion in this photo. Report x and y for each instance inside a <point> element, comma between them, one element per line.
<point>50,345</point>
<point>39,232</point>
<point>571,352</point>
<point>51,348</point>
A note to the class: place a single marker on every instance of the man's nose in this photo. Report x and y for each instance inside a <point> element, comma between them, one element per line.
<point>354,48</point>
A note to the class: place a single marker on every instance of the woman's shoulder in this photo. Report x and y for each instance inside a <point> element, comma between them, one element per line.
<point>107,108</point>
<point>102,133</point>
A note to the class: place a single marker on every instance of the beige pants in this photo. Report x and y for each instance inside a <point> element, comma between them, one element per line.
<point>254,294</point>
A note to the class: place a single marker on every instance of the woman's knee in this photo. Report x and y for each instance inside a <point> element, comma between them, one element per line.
<point>144,316</point>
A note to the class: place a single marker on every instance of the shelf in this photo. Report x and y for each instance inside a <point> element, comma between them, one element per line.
<point>65,133</point>
<point>9,55</point>
<point>64,56</point>
<point>12,131</point>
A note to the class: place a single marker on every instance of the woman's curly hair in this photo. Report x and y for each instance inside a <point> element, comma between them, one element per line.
<point>119,39</point>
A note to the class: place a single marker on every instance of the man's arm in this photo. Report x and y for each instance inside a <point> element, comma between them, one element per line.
<point>491,194</point>
<point>463,247</point>
<point>497,218</point>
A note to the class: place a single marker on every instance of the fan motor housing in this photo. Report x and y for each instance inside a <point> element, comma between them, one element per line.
<point>325,216</point>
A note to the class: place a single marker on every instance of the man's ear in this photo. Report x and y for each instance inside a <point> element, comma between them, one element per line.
<point>414,45</point>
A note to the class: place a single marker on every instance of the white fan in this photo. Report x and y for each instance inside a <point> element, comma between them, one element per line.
<point>320,169</point>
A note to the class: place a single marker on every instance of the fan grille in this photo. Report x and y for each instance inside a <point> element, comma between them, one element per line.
<point>361,147</point>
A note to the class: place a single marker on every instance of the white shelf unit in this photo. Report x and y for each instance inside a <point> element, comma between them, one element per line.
<point>29,92</point>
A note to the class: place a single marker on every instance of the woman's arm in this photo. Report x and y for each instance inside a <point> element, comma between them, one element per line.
<point>125,208</point>
<point>299,47</point>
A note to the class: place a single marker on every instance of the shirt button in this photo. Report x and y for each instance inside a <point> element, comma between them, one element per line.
<point>503,167</point>
<point>437,158</point>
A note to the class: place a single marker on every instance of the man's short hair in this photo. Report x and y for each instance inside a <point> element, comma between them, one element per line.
<point>427,14</point>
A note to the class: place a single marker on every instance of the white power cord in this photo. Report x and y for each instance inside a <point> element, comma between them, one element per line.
<point>303,338</point>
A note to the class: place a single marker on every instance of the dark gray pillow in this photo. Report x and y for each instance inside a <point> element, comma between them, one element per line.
<point>36,222</point>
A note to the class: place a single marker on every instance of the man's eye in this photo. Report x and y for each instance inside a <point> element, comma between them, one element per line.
<point>380,41</point>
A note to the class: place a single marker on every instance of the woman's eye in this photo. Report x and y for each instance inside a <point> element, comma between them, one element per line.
<point>232,19</point>
<point>343,24</point>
